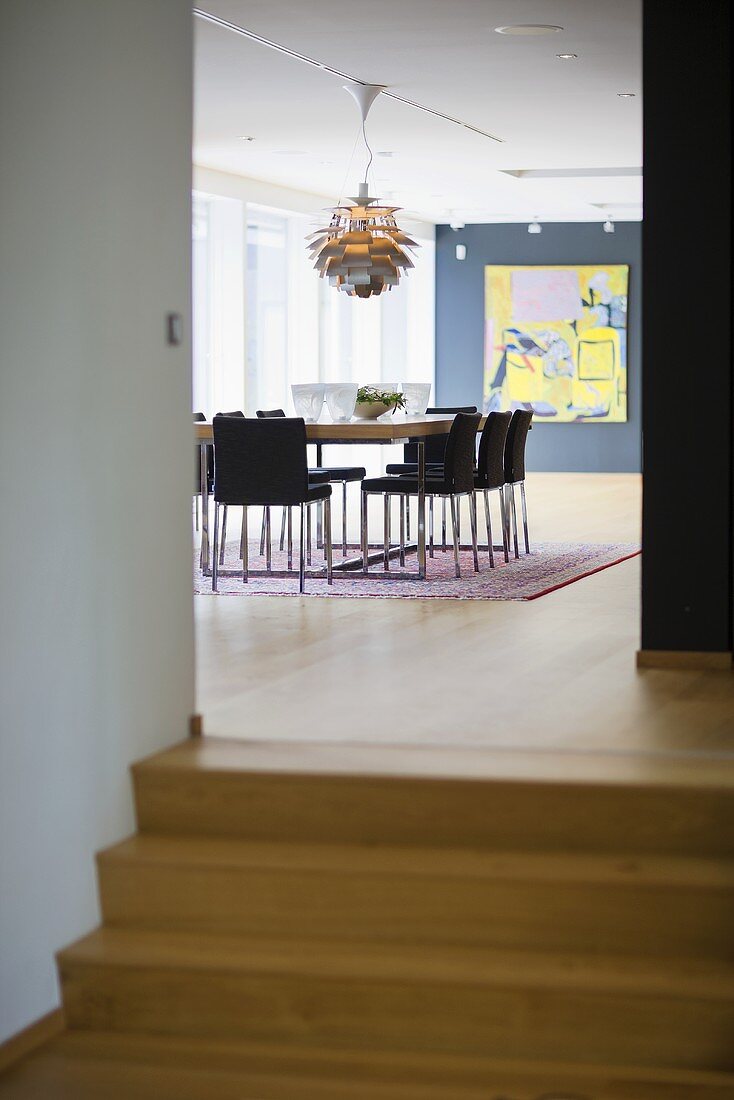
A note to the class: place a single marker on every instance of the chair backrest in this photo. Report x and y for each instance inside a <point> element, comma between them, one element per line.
<point>260,461</point>
<point>460,450</point>
<point>517,435</point>
<point>491,464</point>
<point>268,414</point>
<point>237,412</point>
<point>199,418</point>
<point>435,444</point>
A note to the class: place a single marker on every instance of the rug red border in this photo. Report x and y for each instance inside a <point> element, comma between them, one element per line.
<point>579,577</point>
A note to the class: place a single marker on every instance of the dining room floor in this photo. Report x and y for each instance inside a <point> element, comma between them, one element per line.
<point>556,674</point>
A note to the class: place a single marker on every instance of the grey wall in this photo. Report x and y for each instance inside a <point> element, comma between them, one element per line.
<point>460,330</point>
<point>96,646</point>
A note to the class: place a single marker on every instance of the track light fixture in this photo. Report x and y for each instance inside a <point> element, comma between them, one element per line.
<point>535,226</point>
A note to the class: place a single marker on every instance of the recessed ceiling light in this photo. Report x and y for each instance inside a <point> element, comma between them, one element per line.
<point>386,153</point>
<point>245,137</point>
<point>566,56</point>
<point>528,29</point>
<point>626,95</point>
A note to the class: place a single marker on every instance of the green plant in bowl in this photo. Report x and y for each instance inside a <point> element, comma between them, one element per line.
<point>372,402</point>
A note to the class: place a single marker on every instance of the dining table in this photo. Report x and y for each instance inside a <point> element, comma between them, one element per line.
<point>387,430</point>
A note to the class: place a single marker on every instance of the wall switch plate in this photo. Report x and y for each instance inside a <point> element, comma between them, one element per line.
<point>174,329</point>
<point>461,252</point>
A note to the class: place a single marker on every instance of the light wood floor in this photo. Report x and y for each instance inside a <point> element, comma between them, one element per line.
<point>555,674</point>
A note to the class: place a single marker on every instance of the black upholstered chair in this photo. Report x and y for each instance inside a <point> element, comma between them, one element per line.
<point>515,472</point>
<point>239,413</point>
<point>263,462</point>
<point>490,473</point>
<point>332,474</point>
<point>435,448</point>
<point>200,418</point>
<point>456,480</point>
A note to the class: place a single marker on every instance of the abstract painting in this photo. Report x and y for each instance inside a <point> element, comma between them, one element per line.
<point>556,341</point>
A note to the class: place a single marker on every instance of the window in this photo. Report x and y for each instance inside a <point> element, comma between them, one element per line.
<point>263,320</point>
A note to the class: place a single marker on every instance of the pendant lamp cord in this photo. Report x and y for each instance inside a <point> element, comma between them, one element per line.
<point>369,149</point>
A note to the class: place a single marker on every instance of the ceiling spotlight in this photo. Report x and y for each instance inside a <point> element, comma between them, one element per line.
<point>456,225</point>
<point>245,137</point>
<point>626,95</point>
<point>608,226</point>
<point>566,56</point>
<point>535,226</point>
<point>527,29</point>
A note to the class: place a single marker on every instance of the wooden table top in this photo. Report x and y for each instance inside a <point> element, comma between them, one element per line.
<point>391,429</point>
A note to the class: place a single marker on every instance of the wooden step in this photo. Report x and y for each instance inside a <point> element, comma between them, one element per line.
<point>543,901</point>
<point>202,787</point>
<point>109,1066</point>
<point>587,1009</point>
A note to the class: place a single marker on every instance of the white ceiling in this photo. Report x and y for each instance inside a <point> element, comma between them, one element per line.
<point>445,54</point>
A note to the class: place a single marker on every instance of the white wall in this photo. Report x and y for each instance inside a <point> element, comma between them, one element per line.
<point>96,457</point>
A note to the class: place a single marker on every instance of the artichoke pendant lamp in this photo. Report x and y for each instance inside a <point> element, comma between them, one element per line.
<point>362,251</point>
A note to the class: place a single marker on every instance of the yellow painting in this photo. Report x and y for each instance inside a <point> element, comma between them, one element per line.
<point>556,341</point>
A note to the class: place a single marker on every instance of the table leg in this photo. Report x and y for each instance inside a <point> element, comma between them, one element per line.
<point>421,509</point>
<point>204,487</point>
<point>319,508</point>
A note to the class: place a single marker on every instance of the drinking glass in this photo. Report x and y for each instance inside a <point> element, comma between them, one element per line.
<point>308,400</point>
<point>417,396</point>
<point>341,398</point>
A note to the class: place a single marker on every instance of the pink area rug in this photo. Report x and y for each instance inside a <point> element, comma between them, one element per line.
<point>549,566</point>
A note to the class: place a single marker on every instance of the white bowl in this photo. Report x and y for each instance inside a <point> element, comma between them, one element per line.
<point>417,395</point>
<point>370,410</point>
<point>341,398</point>
<point>308,400</point>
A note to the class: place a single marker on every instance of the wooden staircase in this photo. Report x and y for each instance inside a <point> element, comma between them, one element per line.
<point>402,936</point>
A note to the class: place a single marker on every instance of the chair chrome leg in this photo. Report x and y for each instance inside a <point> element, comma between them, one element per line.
<point>473,525</point>
<point>262,534</point>
<point>327,523</point>
<point>407,518</point>
<point>302,559</point>
<point>514,520</point>
<point>196,512</point>
<point>268,543</point>
<point>290,538</point>
<point>319,526</point>
<point>402,530</point>
<point>524,516</point>
<point>386,531</point>
<point>245,548</point>
<point>282,529</point>
<point>443,525</point>
<point>363,533</point>
<point>215,555</point>
<point>344,519</point>
<point>488,521</point>
<point>503,520</point>
<point>455,529</point>
<point>224,535</point>
<point>308,534</point>
<point>430,527</point>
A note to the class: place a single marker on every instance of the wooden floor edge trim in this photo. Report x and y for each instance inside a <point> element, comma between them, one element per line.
<point>682,659</point>
<point>30,1038</point>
